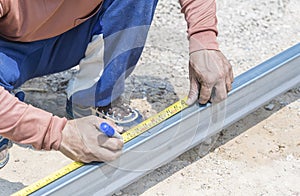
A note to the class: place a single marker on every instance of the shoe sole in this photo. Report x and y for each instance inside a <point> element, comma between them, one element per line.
<point>4,161</point>
<point>5,144</point>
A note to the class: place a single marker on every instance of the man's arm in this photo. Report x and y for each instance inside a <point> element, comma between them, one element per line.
<point>209,71</point>
<point>29,125</point>
<point>202,23</point>
<point>78,139</point>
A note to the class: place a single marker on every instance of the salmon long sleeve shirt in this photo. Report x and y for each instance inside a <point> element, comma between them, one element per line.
<point>31,20</point>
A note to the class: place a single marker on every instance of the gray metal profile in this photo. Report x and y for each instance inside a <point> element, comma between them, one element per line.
<point>184,130</point>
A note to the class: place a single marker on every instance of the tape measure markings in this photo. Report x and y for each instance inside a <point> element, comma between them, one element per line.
<point>47,180</point>
<point>154,120</point>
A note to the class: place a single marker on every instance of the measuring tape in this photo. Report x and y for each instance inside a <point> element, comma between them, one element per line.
<point>127,136</point>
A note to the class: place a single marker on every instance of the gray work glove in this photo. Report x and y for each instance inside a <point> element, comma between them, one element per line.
<point>82,141</point>
<point>210,77</point>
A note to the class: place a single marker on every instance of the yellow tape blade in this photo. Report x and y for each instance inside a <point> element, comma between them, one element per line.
<point>155,120</point>
<point>48,179</point>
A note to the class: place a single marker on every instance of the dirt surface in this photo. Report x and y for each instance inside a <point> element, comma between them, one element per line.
<point>259,155</point>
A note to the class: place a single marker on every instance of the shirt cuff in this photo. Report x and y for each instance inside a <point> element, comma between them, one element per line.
<point>203,40</point>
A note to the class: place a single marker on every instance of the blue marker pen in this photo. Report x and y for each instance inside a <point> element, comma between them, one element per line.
<point>108,130</point>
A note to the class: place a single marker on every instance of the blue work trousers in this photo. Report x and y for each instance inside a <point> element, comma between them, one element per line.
<point>123,24</point>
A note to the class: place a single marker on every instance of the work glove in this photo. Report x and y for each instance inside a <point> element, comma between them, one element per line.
<point>210,76</point>
<point>82,141</point>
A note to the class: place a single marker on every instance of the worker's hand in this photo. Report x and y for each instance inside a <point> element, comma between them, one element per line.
<point>82,141</point>
<point>210,77</point>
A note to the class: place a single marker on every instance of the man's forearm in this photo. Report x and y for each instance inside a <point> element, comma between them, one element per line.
<point>202,23</point>
<point>29,125</point>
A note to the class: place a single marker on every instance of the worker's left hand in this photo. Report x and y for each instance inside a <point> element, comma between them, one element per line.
<point>210,77</point>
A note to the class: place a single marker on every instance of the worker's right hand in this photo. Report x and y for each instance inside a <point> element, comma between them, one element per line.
<point>82,141</point>
<point>210,77</point>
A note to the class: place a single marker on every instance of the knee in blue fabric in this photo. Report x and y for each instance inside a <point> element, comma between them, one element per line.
<point>124,25</point>
<point>9,72</point>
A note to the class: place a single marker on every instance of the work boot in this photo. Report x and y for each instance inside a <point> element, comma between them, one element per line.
<point>5,144</point>
<point>118,112</point>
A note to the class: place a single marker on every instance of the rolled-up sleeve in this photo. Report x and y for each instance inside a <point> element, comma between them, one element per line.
<point>202,23</point>
<point>26,124</point>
